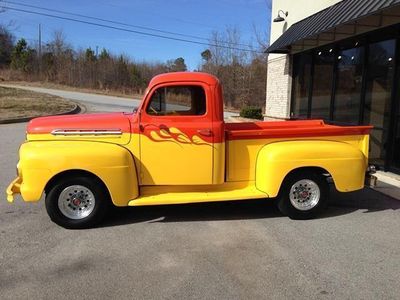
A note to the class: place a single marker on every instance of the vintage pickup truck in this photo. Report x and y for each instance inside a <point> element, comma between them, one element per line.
<point>176,148</point>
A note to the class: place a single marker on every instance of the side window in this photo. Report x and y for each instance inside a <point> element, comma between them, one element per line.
<point>178,100</point>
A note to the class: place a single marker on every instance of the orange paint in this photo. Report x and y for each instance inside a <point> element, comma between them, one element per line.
<point>191,126</point>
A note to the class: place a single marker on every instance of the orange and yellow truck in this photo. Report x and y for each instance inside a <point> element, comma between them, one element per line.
<point>176,148</point>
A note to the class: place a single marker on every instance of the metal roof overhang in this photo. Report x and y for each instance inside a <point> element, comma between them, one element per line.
<point>342,20</point>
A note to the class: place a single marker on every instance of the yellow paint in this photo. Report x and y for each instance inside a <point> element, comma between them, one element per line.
<point>13,188</point>
<point>177,169</point>
<point>156,195</point>
<point>242,154</point>
<point>219,163</point>
<point>122,139</point>
<point>186,163</point>
<point>113,164</point>
<point>175,159</point>
<point>345,163</point>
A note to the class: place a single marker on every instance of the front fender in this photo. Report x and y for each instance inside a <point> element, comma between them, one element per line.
<point>113,164</point>
<point>345,163</point>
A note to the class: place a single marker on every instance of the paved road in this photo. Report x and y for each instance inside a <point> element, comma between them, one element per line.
<point>238,250</point>
<point>94,102</point>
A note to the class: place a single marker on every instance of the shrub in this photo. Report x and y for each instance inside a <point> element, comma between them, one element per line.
<point>251,113</point>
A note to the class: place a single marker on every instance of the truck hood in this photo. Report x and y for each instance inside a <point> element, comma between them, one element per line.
<point>111,127</point>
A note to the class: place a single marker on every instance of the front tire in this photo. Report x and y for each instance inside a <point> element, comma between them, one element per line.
<point>77,203</point>
<point>303,195</point>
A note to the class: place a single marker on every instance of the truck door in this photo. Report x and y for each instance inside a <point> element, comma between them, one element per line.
<point>176,138</point>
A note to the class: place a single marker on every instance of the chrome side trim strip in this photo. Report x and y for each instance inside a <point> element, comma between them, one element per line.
<point>68,132</point>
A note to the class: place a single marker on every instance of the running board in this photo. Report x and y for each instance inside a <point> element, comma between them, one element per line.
<point>161,195</point>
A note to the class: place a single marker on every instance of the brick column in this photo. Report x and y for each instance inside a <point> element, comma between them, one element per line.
<point>279,86</point>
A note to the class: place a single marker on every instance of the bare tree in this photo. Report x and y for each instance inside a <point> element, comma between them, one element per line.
<point>262,37</point>
<point>58,56</point>
<point>58,44</point>
<point>6,46</point>
<point>242,73</point>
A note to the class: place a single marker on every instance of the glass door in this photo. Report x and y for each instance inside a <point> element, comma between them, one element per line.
<point>393,157</point>
<point>377,106</point>
<point>395,164</point>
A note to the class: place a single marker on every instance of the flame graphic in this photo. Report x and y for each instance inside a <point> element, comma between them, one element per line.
<point>174,135</point>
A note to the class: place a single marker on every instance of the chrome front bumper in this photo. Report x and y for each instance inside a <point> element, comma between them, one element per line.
<point>13,188</point>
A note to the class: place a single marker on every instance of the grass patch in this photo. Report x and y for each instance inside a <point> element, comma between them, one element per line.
<point>16,103</point>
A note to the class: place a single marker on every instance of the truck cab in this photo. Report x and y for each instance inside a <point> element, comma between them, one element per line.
<point>176,148</point>
<point>181,129</point>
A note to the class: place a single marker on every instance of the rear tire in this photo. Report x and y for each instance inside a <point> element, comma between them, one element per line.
<point>303,195</point>
<point>77,203</point>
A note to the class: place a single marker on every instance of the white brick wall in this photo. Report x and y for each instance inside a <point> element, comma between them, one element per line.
<point>278,88</point>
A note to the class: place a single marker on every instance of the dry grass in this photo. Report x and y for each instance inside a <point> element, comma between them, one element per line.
<point>15,103</point>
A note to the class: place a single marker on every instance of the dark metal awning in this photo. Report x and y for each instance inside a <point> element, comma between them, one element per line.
<point>344,19</point>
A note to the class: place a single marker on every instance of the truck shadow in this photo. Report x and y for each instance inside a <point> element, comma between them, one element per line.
<point>367,200</point>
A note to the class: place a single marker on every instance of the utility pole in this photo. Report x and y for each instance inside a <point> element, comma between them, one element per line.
<point>97,50</point>
<point>40,41</point>
<point>40,49</point>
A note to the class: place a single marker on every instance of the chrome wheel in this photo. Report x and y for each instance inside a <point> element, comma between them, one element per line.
<point>76,202</point>
<point>304,194</point>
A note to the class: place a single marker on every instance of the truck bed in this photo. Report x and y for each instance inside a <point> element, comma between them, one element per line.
<point>289,129</point>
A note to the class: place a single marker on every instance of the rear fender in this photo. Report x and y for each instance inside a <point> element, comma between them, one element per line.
<point>345,163</point>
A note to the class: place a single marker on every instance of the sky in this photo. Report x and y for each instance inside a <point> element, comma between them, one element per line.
<point>188,17</point>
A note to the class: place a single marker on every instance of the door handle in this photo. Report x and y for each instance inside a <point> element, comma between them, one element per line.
<point>205,132</point>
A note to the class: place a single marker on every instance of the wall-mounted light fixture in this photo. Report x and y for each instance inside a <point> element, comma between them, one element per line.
<point>279,18</point>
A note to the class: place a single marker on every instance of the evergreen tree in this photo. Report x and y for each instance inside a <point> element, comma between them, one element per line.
<point>21,56</point>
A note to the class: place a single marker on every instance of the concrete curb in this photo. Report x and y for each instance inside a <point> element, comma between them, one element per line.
<point>76,110</point>
<point>388,184</point>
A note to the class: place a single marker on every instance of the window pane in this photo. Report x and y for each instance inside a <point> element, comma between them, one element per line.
<point>322,84</point>
<point>301,83</point>
<point>396,144</point>
<point>378,94</point>
<point>178,100</point>
<point>348,86</point>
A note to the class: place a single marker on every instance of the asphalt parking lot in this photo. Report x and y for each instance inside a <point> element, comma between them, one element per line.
<point>232,250</point>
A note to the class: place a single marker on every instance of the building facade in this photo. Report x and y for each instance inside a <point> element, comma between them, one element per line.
<point>339,61</point>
